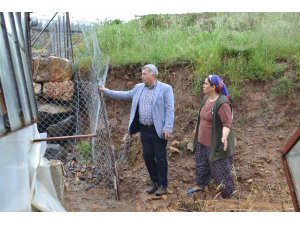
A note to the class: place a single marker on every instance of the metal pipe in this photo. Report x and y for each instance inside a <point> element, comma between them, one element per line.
<point>10,69</point>
<point>43,29</point>
<point>29,78</point>
<point>22,64</point>
<point>64,137</point>
<point>69,40</point>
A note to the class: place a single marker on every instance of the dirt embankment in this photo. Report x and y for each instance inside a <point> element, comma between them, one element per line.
<point>262,125</point>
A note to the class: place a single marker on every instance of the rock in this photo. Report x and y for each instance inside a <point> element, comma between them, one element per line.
<point>51,69</point>
<point>47,119</point>
<point>66,127</point>
<point>156,197</point>
<point>164,197</point>
<point>37,88</point>
<point>190,146</point>
<point>174,150</point>
<point>170,191</point>
<point>175,144</point>
<point>59,90</point>
<point>53,109</point>
<point>250,181</point>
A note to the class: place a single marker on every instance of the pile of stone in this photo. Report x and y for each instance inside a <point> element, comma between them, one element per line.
<point>54,88</point>
<point>52,77</point>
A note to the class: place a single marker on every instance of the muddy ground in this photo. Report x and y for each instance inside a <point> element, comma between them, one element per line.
<point>262,125</point>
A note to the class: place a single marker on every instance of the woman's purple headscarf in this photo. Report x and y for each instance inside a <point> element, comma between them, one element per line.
<point>218,82</point>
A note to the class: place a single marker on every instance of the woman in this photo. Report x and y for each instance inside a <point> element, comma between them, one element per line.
<point>214,141</point>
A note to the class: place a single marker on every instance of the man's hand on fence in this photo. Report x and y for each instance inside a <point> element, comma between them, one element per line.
<point>102,88</point>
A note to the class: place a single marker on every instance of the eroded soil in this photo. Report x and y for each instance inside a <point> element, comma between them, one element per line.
<point>262,126</point>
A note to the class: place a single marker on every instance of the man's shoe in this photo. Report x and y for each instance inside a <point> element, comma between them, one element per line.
<point>161,191</point>
<point>152,189</point>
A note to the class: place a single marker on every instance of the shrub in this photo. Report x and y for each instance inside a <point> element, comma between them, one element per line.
<point>84,149</point>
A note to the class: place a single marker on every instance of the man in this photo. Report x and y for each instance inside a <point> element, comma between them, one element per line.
<point>152,114</point>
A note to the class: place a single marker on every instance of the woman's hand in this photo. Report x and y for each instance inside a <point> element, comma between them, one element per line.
<point>225,133</point>
<point>194,131</point>
<point>224,141</point>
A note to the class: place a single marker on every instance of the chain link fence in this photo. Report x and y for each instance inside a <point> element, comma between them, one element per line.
<point>76,112</point>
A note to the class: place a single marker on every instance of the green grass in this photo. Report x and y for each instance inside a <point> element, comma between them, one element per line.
<point>84,149</point>
<point>240,47</point>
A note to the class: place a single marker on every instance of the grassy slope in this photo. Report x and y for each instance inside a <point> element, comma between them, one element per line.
<point>237,46</point>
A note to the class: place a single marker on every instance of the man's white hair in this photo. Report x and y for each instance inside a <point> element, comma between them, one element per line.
<point>152,69</point>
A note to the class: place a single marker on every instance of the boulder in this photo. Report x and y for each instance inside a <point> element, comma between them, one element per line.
<point>59,90</point>
<point>51,69</point>
<point>47,119</point>
<point>53,109</point>
<point>66,127</point>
